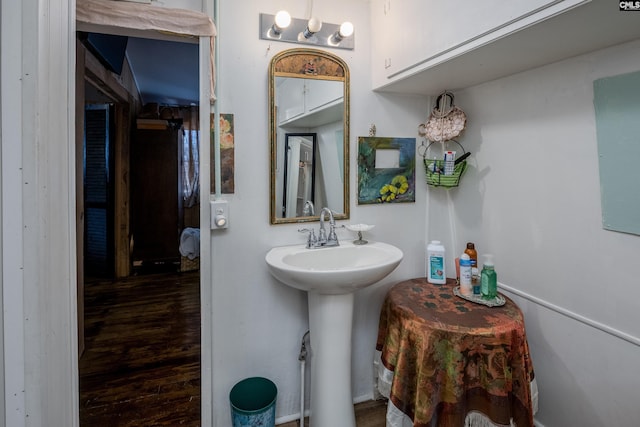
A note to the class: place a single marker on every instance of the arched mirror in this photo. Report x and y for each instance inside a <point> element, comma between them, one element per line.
<point>309,135</point>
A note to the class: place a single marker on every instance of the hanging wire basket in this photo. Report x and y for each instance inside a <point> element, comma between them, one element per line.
<point>439,173</point>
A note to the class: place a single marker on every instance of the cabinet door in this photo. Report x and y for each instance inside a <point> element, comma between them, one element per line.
<point>155,195</point>
<point>412,35</point>
<point>320,93</point>
<point>400,32</point>
<point>290,101</point>
<point>452,24</point>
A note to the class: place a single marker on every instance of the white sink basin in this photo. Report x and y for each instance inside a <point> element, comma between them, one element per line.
<point>334,270</point>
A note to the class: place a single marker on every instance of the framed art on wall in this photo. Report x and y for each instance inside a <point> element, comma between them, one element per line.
<point>227,154</point>
<point>386,170</point>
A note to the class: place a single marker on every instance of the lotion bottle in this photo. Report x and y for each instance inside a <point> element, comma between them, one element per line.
<point>435,263</point>
<point>465,275</point>
<point>475,275</point>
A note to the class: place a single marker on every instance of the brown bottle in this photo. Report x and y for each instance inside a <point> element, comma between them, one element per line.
<point>471,251</point>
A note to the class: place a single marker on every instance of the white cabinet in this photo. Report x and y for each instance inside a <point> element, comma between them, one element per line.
<point>309,102</point>
<point>290,101</point>
<point>410,33</point>
<point>320,94</point>
<point>426,46</point>
<point>400,32</point>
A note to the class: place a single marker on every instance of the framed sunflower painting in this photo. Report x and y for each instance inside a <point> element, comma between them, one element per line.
<point>386,170</point>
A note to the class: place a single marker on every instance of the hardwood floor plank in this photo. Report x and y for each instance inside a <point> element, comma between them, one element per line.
<point>141,366</point>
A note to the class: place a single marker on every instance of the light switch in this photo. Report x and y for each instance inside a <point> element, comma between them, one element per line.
<point>219,214</point>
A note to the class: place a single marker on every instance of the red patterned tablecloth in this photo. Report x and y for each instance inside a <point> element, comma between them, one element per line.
<point>450,356</point>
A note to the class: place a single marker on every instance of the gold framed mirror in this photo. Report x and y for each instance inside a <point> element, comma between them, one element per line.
<point>308,95</point>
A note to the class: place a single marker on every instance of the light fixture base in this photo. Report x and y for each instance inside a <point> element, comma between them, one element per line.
<point>297,26</point>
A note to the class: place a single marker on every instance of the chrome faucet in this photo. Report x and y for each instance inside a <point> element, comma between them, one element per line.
<point>308,209</point>
<point>323,241</point>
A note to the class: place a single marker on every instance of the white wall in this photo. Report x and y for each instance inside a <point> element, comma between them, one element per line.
<point>258,323</point>
<point>38,220</point>
<point>531,196</point>
<point>546,235</point>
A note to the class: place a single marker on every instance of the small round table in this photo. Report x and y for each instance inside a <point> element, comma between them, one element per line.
<point>450,356</point>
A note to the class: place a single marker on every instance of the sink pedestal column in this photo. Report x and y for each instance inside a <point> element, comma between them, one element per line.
<point>330,324</point>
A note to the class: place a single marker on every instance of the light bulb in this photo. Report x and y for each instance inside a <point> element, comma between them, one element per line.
<point>220,221</point>
<point>346,29</point>
<point>283,20</point>
<point>314,25</point>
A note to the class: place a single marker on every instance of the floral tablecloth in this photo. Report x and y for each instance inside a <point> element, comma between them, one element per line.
<point>451,357</point>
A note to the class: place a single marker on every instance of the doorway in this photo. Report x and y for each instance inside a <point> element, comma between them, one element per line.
<point>114,283</point>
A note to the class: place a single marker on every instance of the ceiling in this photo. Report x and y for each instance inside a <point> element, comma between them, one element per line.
<point>165,72</point>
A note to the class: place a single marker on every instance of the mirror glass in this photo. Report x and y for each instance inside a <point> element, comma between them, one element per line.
<point>309,118</point>
<point>299,175</point>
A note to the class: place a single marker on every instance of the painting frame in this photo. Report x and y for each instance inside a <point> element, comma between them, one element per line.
<point>227,153</point>
<point>379,185</point>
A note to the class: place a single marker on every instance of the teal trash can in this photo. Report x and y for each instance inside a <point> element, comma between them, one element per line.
<point>253,403</point>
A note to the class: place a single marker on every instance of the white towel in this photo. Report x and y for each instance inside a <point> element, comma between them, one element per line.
<point>190,243</point>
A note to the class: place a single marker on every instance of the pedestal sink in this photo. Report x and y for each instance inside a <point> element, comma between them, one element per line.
<point>331,276</point>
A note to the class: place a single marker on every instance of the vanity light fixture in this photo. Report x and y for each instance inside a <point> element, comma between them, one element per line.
<point>306,31</point>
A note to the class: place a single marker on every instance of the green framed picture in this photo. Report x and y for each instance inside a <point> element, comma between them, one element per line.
<point>386,170</point>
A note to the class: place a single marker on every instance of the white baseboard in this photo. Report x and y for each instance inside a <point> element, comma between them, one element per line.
<point>363,398</point>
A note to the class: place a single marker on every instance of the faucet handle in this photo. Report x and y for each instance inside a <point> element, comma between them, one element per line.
<point>311,238</point>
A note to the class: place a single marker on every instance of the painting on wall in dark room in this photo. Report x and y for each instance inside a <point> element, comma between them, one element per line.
<point>227,145</point>
<point>386,170</point>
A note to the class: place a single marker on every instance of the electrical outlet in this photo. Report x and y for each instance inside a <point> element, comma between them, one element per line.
<point>219,214</point>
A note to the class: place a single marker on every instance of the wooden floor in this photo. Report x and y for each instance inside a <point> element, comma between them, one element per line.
<point>141,364</point>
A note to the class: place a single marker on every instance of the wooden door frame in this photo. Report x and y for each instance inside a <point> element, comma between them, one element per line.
<point>89,70</point>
